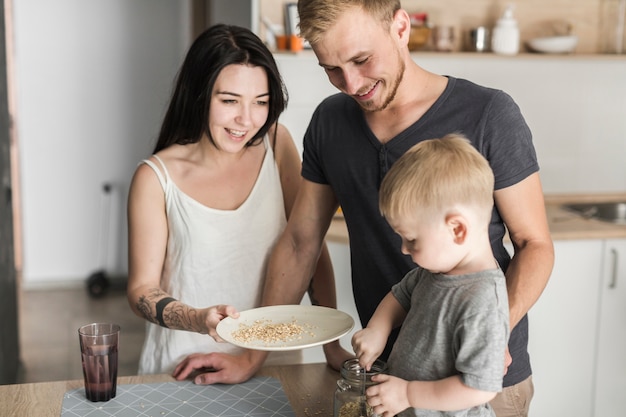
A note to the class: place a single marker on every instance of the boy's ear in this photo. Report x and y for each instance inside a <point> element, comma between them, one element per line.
<point>457,225</point>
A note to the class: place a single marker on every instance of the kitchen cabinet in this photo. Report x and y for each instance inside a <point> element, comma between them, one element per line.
<point>610,387</point>
<point>206,13</point>
<point>577,340</point>
<point>563,326</point>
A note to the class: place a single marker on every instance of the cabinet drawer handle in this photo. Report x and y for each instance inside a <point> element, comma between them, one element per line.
<point>613,282</point>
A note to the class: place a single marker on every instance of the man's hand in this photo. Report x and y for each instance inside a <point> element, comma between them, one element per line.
<point>214,368</point>
<point>508,360</point>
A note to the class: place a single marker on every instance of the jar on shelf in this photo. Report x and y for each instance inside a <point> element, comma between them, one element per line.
<point>443,38</point>
<point>349,399</point>
<point>420,31</point>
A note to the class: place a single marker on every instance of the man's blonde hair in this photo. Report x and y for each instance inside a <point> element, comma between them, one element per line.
<point>317,16</point>
<point>434,176</point>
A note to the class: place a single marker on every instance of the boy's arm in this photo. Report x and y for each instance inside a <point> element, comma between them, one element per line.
<point>369,343</point>
<point>388,315</point>
<point>446,394</point>
<point>393,395</point>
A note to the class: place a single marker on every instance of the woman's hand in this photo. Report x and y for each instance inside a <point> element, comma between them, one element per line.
<point>216,314</point>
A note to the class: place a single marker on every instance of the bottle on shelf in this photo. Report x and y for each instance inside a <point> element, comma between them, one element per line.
<point>506,39</point>
<point>612,26</point>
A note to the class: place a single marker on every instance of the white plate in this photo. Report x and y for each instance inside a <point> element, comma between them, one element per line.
<point>321,325</point>
<point>554,44</point>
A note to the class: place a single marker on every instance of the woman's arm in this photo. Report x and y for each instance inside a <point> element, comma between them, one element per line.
<point>147,242</point>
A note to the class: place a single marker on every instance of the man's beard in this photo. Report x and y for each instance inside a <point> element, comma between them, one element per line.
<point>368,106</point>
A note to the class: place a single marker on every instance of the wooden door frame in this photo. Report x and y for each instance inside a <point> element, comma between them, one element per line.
<point>10,236</point>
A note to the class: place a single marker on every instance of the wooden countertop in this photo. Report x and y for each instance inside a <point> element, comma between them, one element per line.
<point>563,224</point>
<point>309,387</point>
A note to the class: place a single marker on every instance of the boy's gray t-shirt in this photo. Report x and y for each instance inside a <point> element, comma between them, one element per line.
<point>455,325</point>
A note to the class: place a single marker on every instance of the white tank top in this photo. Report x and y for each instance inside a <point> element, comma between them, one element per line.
<point>214,257</point>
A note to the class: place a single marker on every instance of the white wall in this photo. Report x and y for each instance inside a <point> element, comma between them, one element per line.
<point>574,105</point>
<point>93,79</point>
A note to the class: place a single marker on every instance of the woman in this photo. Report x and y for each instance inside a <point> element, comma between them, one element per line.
<point>206,209</point>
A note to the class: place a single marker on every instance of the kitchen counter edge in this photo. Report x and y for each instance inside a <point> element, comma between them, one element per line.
<point>563,224</point>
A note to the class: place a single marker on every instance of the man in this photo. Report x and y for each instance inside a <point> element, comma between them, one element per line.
<point>387,104</point>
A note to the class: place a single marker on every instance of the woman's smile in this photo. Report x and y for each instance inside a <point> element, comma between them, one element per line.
<point>237,134</point>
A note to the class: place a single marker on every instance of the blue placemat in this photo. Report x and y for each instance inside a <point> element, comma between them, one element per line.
<point>260,396</point>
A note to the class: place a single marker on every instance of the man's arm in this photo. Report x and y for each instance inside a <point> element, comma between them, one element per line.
<point>323,292</point>
<point>294,258</point>
<point>300,261</point>
<point>523,210</point>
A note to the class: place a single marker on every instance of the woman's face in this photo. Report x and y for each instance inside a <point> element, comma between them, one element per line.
<point>239,106</point>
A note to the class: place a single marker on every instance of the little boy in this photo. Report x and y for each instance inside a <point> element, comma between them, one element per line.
<point>453,308</point>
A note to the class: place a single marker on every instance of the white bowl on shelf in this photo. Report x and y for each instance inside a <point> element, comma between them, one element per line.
<point>554,44</point>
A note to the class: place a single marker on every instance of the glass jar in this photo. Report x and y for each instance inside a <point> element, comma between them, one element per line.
<point>612,30</point>
<point>420,31</point>
<point>349,398</point>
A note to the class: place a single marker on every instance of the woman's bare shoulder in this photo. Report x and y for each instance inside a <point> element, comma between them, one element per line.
<point>282,141</point>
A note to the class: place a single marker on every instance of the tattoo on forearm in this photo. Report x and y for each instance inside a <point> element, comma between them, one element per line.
<point>184,317</point>
<point>144,305</point>
<point>157,308</point>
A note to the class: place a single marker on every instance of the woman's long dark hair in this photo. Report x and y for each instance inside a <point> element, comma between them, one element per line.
<point>221,45</point>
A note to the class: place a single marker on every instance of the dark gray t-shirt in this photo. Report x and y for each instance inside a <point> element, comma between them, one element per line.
<point>340,150</point>
<point>455,325</point>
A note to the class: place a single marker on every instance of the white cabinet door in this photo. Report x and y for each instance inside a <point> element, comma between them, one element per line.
<point>562,332</point>
<point>610,398</point>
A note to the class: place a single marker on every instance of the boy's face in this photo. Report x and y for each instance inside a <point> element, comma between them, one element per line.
<point>430,241</point>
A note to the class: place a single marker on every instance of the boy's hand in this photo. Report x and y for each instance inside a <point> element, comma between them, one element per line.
<point>368,344</point>
<point>389,397</point>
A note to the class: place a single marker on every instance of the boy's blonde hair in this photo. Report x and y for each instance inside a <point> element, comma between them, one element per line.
<point>434,176</point>
<point>317,16</point>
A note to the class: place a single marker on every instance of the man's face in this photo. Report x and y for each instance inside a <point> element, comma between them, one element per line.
<point>362,59</point>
